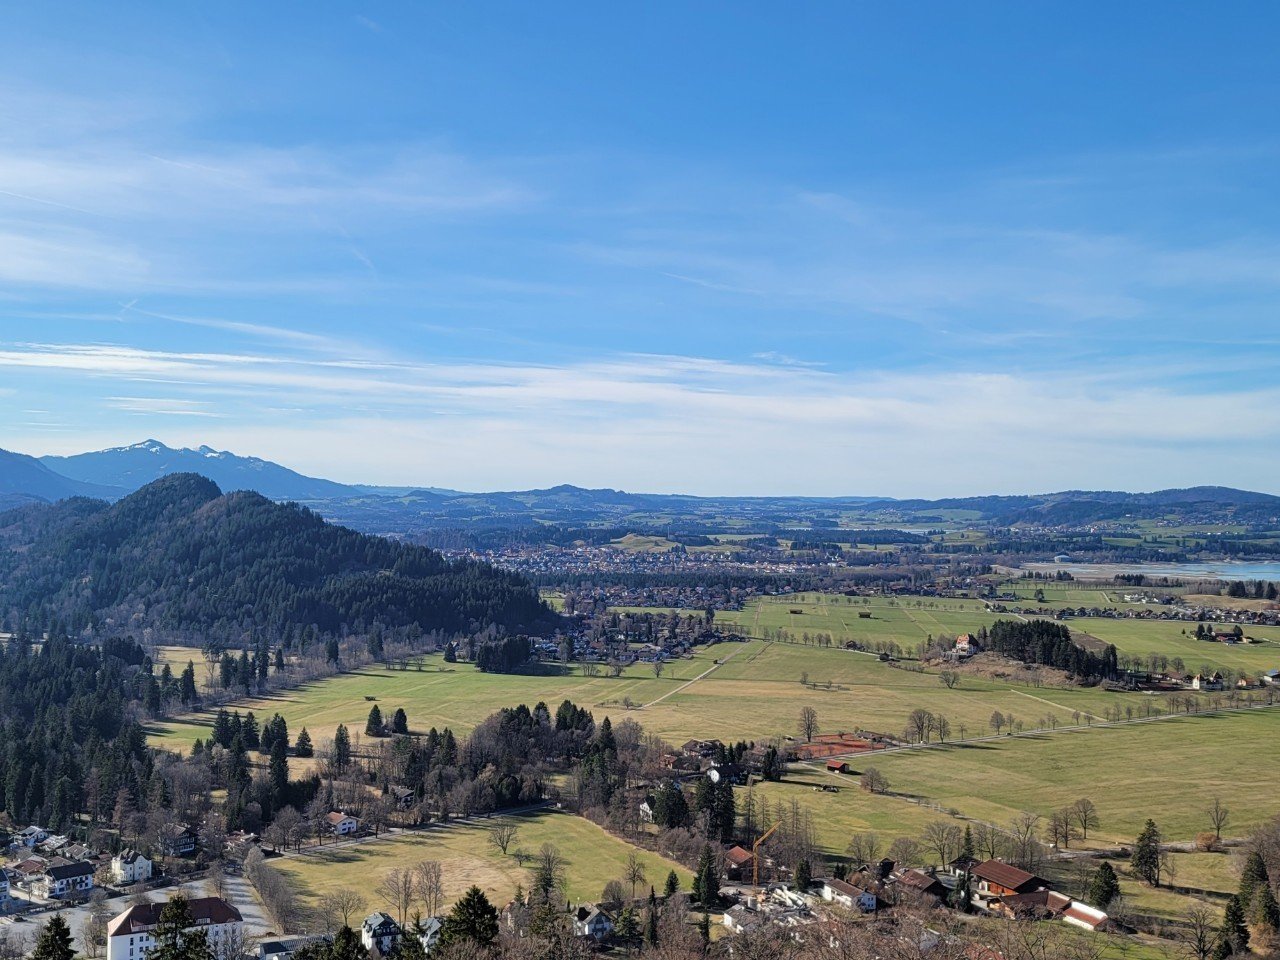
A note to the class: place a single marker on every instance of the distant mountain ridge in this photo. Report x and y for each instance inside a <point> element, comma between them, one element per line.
<point>110,474</point>
<point>132,467</point>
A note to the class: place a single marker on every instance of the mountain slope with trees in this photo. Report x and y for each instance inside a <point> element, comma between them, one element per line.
<point>183,559</point>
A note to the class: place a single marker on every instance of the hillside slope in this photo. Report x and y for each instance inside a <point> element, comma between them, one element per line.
<point>183,559</point>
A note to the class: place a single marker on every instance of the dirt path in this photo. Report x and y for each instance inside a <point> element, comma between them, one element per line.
<point>705,673</point>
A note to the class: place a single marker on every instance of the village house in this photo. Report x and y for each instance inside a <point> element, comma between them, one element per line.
<point>847,895</point>
<point>998,879</point>
<point>284,948</point>
<point>30,836</point>
<point>966,646</point>
<point>129,934</point>
<point>177,840</point>
<point>429,936</point>
<point>64,880</point>
<point>1201,682</point>
<point>130,866</point>
<point>380,932</point>
<point>1051,905</point>
<point>924,884</point>
<point>647,808</point>
<point>6,901</point>
<point>341,825</point>
<point>403,797</point>
<point>591,921</point>
<point>737,863</point>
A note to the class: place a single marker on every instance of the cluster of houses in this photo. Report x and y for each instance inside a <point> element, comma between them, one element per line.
<point>993,886</point>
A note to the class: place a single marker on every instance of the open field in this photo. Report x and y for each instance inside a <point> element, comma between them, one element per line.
<point>756,694</point>
<point>1169,770</point>
<point>904,620</point>
<point>440,695</point>
<point>593,858</point>
<point>1167,638</point>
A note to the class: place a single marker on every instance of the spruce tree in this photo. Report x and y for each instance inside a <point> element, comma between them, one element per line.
<point>1104,887</point>
<point>1146,854</point>
<point>400,721</point>
<point>341,747</point>
<point>303,747</point>
<point>173,936</point>
<point>1253,876</point>
<point>1264,910</point>
<point>373,728</point>
<point>1234,929</point>
<point>967,849</point>
<point>803,875</point>
<point>55,941</point>
<point>672,884</point>
<point>472,919</point>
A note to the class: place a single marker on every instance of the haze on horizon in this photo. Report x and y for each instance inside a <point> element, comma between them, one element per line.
<point>732,249</point>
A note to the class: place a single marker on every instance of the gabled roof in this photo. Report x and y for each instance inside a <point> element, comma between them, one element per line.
<point>336,818</point>
<point>379,919</point>
<point>69,871</point>
<point>144,916</point>
<point>738,857</point>
<point>1007,875</point>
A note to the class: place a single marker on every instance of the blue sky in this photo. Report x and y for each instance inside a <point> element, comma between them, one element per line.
<point>894,249</point>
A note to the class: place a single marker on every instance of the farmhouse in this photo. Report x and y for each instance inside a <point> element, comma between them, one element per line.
<point>591,921</point>
<point>177,840</point>
<point>921,883</point>
<point>999,879</point>
<point>341,825</point>
<point>837,766</point>
<point>129,934</point>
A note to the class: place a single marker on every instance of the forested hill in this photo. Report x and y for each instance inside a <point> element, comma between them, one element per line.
<point>181,558</point>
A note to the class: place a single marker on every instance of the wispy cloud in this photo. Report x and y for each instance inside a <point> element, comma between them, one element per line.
<point>1011,431</point>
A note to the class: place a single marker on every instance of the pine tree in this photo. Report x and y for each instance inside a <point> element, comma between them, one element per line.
<point>341,747</point>
<point>1234,929</point>
<point>279,772</point>
<point>472,919</point>
<point>303,747</point>
<point>706,883</point>
<point>174,939</point>
<point>1104,887</point>
<point>967,849</point>
<point>188,693</point>
<point>373,727</point>
<point>1264,910</point>
<point>55,941</point>
<point>1146,854</point>
<point>400,722</point>
<point>1253,876</point>
<point>672,884</point>
<point>803,875</point>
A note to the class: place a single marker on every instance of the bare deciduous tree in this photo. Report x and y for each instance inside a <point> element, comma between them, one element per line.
<point>341,905</point>
<point>1085,815</point>
<point>633,872</point>
<point>502,834</point>
<point>430,886</point>
<point>864,848</point>
<point>398,887</point>
<point>1218,816</point>
<point>808,723</point>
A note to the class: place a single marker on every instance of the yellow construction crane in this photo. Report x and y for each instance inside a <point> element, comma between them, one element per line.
<point>755,853</point>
